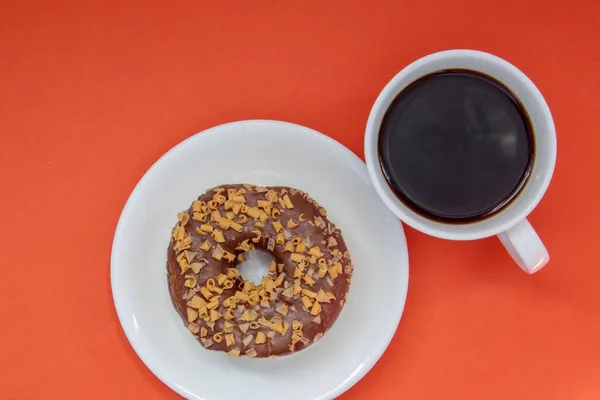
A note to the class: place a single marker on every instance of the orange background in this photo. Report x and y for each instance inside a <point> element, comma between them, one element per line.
<point>92,93</point>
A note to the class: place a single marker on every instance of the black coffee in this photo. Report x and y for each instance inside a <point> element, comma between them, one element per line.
<point>456,146</point>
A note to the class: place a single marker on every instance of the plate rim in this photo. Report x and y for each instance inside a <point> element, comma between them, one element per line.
<point>114,278</point>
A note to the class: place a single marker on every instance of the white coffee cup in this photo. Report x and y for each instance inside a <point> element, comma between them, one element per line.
<point>510,223</point>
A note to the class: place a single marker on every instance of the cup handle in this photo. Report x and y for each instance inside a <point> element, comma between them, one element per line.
<point>525,247</point>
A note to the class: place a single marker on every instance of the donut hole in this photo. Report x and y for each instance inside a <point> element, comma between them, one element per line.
<point>256,265</point>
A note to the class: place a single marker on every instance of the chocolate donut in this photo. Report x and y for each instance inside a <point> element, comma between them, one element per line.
<point>293,306</point>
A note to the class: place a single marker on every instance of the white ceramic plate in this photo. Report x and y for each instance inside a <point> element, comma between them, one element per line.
<point>264,153</point>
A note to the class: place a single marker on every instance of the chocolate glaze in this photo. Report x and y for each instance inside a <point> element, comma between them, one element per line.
<point>280,344</point>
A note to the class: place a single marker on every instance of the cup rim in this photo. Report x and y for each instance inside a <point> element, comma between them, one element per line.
<point>467,231</point>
